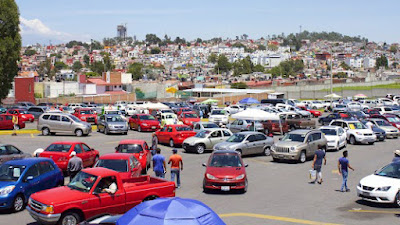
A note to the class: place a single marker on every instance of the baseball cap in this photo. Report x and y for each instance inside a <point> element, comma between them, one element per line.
<point>175,150</point>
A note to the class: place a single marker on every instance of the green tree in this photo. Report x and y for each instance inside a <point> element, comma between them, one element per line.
<point>60,65</point>
<point>272,47</point>
<point>152,39</point>
<point>381,61</point>
<point>212,58</point>
<point>108,65</point>
<point>136,69</point>
<point>29,52</point>
<point>393,49</point>
<point>223,64</point>
<point>44,67</point>
<point>77,66</point>
<point>155,51</point>
<point>345,66</point>
<point>239,85</point>
<point>287,68</point>
<point>92,74</point>
<point>259,68</point>
<point>10,45</point>
<point>98,67</point>
<point>86,59</point>
<point>340,75</point>
<point>262,47</point>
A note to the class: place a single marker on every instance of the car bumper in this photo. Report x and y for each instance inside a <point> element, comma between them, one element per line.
<point>392,135</point>
<point>365,140</point>
<point>376,196</point>
<point>285,156</point>
<point>6,202</point>
<point>118,131</point>
<point>62,165</point>
<point>150,128</point>
<point>188,147</point>
<point>47,219</point>
<point>225,185</point>
<point>331,146</point>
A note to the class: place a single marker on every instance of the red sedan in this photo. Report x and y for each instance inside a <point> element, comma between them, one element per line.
<point>126,164</point>
<point>174,134</point>
<point>225,171</point>
<point>143,122</point>
<point>60,153</point>
<point>22,114</point>
<point>189,118</point>
<point>86,114</point>
<point>314,113</point>
<point>139,149</point>
<point>7,124</point>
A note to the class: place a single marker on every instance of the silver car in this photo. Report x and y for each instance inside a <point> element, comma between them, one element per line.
<point>57,122</point>
<point>10,152</point>
<point>112,123</point>
<point>244,125</point>
<point>390,130</point>
<point>197,127</point>
<point>206,139</point>
<point>247,143</point>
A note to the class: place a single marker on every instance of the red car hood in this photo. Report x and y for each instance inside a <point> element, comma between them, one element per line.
<point>192,119</point>
<point>58,196</point>
<point>55,155</point>
<point>225,172</point>
<point>150,122</point>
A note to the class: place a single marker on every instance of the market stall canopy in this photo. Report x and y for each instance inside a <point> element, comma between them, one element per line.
<point>209,101</point>
<point>150,105</point>
<point>333,95</point>
<point>171,211</point>
<point>255,114</point>
<point>171,90</point>
<point>249,101</point>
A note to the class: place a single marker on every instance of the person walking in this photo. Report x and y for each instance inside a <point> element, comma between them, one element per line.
<point>343,166</point>
<point>176,166</point>
<point>15,123</point>
<point>201,113</point>
<point>159,164</point>
<point>396,156</point>
<point>317,164</point>
<point>75,165</point>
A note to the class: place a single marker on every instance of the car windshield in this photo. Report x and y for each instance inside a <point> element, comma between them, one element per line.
<point>119,165</point>
<point>356,125</point>
<point>383,123</point>
<point>169,116</point>
<point>74,118</point>
<point>202,134</point>
<point>82,182</point>
<point>115,119</point>
<point>225,160</point>
<point>329,132</point>
<point>210,125</point>
<point>86,112</point>
<point>218,112</point>
<point>147,117</point>
<point>294,137</point>
<point>236,138</point>
<point>393,119</point>
<point>392,170</point>
<point>183,128</point>
<point>23,112</point>
<point>129,148</point>
<point>190,115</point>
<point>373,112</point>
<point>340,106</point>
<point>10,172</point>
<point>58,148</point>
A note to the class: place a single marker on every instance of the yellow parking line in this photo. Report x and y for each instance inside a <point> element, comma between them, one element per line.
<point>32,136</point>
<point>374,211</point>
<point>278,218</point>
<point>112,142</point>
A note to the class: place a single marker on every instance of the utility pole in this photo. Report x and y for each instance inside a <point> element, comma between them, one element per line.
<point>300,29</point>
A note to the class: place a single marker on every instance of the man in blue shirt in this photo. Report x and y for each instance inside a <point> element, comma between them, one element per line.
<point>159,164</point>
<point>317,163</point>
<point>343,165</point>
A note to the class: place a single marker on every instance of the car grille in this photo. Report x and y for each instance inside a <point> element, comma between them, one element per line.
<point>224,184</point>
<point>90,119</point>
<point>367,134</point>
<point>36,205</point>
<point>282,149</point>
<point>392,131</point>
<point>118,127</point>
<point>368,188</point>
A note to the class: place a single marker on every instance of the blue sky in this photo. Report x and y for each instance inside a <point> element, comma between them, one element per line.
<point>61,21</point>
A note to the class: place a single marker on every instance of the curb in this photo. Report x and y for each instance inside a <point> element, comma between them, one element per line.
<point>29,131</point>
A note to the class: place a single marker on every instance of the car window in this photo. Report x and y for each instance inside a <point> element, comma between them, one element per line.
<point>45,117</point>
<point>78,148</point>
<point>163,129</point>
<point>240,122</point>
<point>85,148</point>
<point>3,150</point>
<point>226,133</point>
<point>44,167</point>
<point>316,136</point>
<point>135,162</point>
<point>105,183</point>
<point>65,119</point>
<point>310,138</point>
<point>55,117</point>
<point>252,138</point>
<point>13,150</point>
<point>32,171</point>
<point>216,134</point>
<point>169,129</point>
<point>261,137</point>
<point>197,127</point>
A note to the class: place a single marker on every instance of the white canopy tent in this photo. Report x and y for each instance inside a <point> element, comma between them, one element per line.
<point>257,115</point>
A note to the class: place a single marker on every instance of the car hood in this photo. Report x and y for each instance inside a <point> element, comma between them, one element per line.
<point>226,145</point>
<point>7,183</point>
<point>218,116</point>
<point>151,122</point>
<point>379,181</point>
<point>288,143</point>
<point>364,131</point>
<point>59,195</point>
<point>389,128</point>
<point>193,140</point>
<point>331,137</point>
<point>225,172</point>
<point>116,123</point>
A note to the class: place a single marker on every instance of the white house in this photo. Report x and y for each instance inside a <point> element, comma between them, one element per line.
<point>369,63</point>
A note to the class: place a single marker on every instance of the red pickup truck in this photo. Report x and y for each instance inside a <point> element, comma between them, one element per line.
<point>86,114</point>
<point>88,195</point>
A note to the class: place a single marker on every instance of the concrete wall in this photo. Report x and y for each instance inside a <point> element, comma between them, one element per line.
<point>319,94</point>
<point>55,89</point>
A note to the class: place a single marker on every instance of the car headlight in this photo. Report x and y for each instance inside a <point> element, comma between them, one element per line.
<point>211,177</point>
<point>48,209</point>
<point>240,177</point>
<point>144,124</point>
<point>7,190</point>
<point>386,188</point>
<point>273,147</point>
<point>358,133</point>
<point>292,149</point>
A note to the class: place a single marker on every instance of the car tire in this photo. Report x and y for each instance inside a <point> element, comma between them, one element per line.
<point>246,184</point>
<point>70,218</point>
<point>371,143</point>
<point>200,148</point>
<point>397,199</point>
<point>139,129</point>
<point>45,131</point>
<point>171,143</point>
<point>106,131</point>
<point>79,133</point>
<point>18,203</point>
<point>352,140</point>
<point>276,159</point>
<point>303,157</point>
<point>267,151</point>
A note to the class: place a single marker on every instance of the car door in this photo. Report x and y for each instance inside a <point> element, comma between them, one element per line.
<point>251,145</point>
<point>227,134</point>
<point>109,203</point>
<point>317,140</point>
<point>54,123</point>
<point>342,137</point>
<point>81,154</point>
<point>309,141</point>
<point>215,137</point>
<point>196,127</point>
<point>135,122</point>
<point>161,134</point>
<point>65,124</point>
<point>169,134</point>
<point>101,123</point>
<point>90,154</point>
<point>32,180</point>
<point>14,152</point>
<point>47,175</point>
<point>2,122</point>
<point>260,143</point>
<point>240,126</point>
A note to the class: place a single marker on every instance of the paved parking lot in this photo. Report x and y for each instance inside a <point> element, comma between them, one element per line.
<point>279,193</point>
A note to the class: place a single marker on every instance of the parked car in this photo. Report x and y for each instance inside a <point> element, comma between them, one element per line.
<point>240,125</point>
<point>391,131</point>
<point>7,124</point>
<point>22,114</point>
<point>173,134</point>
<point>21,178</point>
<point>335,136</point>
<point>180,110</point>
<point>334,116</point>
<point>356,131</point>
<point>76,105</point>
<point>112,123</point>
<point>137,148</point>
<point>204,108</point>
<point>9,152</point>
<point>233,109</point>
<point>36,111</point>
<point>360,115</point>
<point>3,110</point>
<point>60,153</point>
<point>298,145</point>
<point>382,186</point>
<point>219,116</point>
<point>86,115</point>
<point>379,132</point>
<point>340,108</point>
<point>60,205</point>
<point>391,118</point>
<point>314,113</point>
<point>354,106</point>
<point>225,171</point>
<point>126,164</point>
<point>295,121</point>
<point>56,122</point>
<point>169,119</point>
<point>275,126</point>
<point>247,143</point>
<point>189,118</point>
<point>197,127</point>
<point>205,140</point>
<point>384,109</point>
<point>143,122</point>
<point>297,110</point>
<point>25,104</point>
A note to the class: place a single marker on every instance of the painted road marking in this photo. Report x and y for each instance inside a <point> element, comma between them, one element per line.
<point>112,142</point>
<point>32,136</point>
<point>335,171</point>
<point>278,218</point>
<point>374,211</point>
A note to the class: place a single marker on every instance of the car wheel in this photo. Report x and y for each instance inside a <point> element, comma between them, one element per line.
<point>18,203</point>
<point>139,129</point>
<point>106,131</point>
<point>45,131</point>
<point>397,199</point>
<point>371,143</point>
<point>352,140</point>
<point>79,133</point>
<point>200,148</point>
<point>70,218</point>
<point>171,143</point>
<point>267,151</point>
<point>303,157</point>
<point>246,184</point>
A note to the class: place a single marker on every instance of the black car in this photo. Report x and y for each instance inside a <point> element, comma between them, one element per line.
<point>334,116</point>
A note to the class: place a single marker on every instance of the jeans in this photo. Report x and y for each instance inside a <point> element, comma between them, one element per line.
<point>344,184</point>
<point>176,172</point>
<point>159,174</point>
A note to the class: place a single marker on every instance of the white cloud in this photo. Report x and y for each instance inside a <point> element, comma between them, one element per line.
<point>35,27</point>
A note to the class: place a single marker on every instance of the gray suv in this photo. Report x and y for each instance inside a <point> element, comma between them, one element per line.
<point>247,143</point>
<point>206,139</point>
<point>56,122</point>
<point>112,123</point>
<point>298,145</point>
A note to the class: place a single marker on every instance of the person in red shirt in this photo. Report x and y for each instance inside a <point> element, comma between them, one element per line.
<point>176,166</point>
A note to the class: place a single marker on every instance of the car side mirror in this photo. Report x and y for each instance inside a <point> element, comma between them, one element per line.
<point>346,128</point>
<point>95,193</point>
<point>203,164</point>
<point>29,178</point>
<point>280,139</point>
<point>246,165</point>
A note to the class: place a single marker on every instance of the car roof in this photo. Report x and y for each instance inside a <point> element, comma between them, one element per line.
<point>348,120</point>
<point>302,131</point>
<point>132,141</point>
<point>329,127</point>
<point>116,156</point>
<point>225,151</point>
<point>28,161</point>
<point>67,142</point>
<point>111,115</point>
<point>249,132</point>
<point>100,171</point>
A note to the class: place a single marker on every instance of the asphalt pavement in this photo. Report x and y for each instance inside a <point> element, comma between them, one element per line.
<point>278,193</point>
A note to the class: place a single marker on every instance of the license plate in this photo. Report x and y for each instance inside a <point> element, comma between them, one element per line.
<point>153,127</point>
<point>280,156</point>
<point>225,188</point>
<point>365,193</point>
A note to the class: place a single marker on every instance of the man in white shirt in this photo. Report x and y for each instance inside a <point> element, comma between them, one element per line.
<point>110,186</point>
<point>369,125</point>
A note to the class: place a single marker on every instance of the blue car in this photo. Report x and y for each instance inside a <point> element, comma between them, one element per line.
<point>21,178</point>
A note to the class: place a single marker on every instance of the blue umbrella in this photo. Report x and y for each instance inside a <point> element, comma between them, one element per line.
<point>171,211</point>
<point>249,101</point>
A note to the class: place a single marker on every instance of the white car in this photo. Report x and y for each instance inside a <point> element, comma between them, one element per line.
<point>302,113</point>
<point>232,109</point>
<point>354,106</point>
<point>382,110</point>
<point>336,137</point>
<point>386,101</point>
<point>312,104</point>
<point>356,131</point>
<point>383,186</point>
<point>219,116</point>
